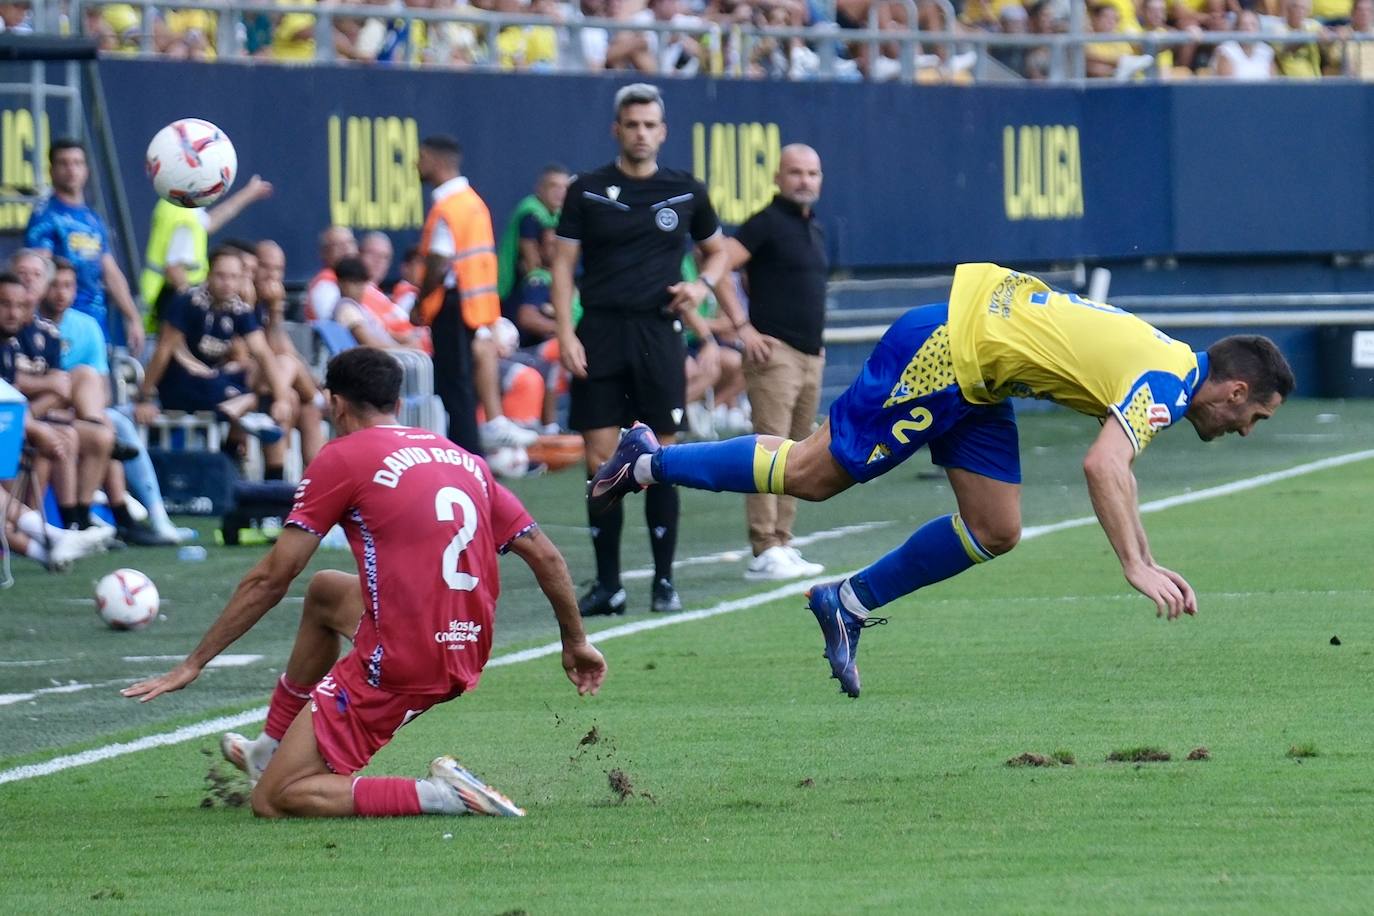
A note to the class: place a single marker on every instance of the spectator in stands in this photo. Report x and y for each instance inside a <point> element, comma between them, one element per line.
<point>84,359</point>
<point>1358,56</point>
<point>1154,20</point>
<point>1103,57</point>
<point>179,242</point>
<point>30,360</point>
<point>1013,20</point>
<point>271,313</point>
<point>1246,60</point>
<point>191,369</point>
<point>336,243</point>
<point>293,34</point>
<point>375,252</point>
<point>116,27</point>
<point>627,50</point>
<point>185,34</point>
<point>16,18</point>
<point>525,47</point>
<point>1039,60</point>
<point>448,44</point>
<point>527,242</point>
<point>458,301</point>
<point>1333,12</point>
<point>530,310</point>
<point>65,227</point>
<point>675,53</point>
<point>1304,60</point>
<point>367,331</point>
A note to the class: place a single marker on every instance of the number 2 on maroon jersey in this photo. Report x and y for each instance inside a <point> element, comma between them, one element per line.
<point>444,503</point>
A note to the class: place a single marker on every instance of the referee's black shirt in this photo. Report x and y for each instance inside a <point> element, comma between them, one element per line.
<point>787,270</point>
<point>634,233</point>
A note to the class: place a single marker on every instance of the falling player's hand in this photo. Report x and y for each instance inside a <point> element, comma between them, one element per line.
<point>585,666</point>
<point>175,679</point>
<point>1163,588</point>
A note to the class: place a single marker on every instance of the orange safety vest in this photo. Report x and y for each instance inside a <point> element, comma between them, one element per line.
<point>474,259</point>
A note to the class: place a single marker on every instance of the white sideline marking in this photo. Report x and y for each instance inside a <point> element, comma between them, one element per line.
<point>734,556</point>
<point>219,661</point>
<point>32,662</point>
<point>212,726</point>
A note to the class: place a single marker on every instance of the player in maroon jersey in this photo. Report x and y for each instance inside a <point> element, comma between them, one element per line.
<point>425,520</point>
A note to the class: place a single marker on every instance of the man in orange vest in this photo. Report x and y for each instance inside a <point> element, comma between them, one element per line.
<point>458,300</point>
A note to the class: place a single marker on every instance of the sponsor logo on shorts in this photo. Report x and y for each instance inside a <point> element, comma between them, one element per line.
<point>666,219</point>
<point>879,452</point>
<point>459,633</point>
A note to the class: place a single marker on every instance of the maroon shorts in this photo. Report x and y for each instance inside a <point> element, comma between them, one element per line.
<point>354,720</point>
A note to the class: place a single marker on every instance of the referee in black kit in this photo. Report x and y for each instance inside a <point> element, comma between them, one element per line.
<point>632,223</point>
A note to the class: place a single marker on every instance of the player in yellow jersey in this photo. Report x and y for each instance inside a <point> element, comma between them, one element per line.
<point>940,377</point>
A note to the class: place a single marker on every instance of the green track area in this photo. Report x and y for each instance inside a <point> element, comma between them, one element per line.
<point>754,786</point>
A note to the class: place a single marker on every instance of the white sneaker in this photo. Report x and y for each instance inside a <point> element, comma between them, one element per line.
<point>74,545</point>
<point>262,427</point>
<point>499,431</point>
<point>771,565</point>
<point>700,423</point>
<point>477,796</point>
<point>245,754</point>
<point>804,566</point>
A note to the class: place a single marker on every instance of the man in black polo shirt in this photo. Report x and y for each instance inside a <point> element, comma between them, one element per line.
<point>632,222</point>
<point>782,252</point>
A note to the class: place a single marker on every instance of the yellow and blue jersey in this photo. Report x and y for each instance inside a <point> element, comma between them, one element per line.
<point>1011,335</point>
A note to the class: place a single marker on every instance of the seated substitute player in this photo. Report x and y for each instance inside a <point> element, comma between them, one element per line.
<point>191,368</point>
<point>425,520</point>
<point>941,376</point>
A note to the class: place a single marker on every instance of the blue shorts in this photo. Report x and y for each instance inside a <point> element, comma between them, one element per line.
<point>180,390</point>
<point>906,397</point>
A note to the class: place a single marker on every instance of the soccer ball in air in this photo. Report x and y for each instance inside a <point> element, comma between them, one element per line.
<point>192,163</point>
<point>126,599</point>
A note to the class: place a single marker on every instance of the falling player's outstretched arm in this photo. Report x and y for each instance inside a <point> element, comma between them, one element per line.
<point>1112,487</point>
<point>259,591</point>
<point>581,660</point>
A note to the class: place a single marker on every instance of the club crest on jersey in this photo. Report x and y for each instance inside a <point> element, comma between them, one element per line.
<point>1158,416</point>
<point>666,219</point>
<point>613,191</point>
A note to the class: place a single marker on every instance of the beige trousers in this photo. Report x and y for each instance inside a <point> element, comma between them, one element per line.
<point>783,393</point>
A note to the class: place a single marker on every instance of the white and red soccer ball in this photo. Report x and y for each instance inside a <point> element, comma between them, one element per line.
<point>191,163</point>
<point>126,600</point>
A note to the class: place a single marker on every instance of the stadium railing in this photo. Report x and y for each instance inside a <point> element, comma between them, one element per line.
<point>951,52</point>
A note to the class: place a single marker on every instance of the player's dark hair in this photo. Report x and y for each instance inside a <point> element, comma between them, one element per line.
<point>62,143</point>
<point>6,277</point>
<point>553,168</point>
<point>443,145</point>
<point>350,270</point>
<point>1254,360</point>
<point>60,264</point>
<point>365,376</point>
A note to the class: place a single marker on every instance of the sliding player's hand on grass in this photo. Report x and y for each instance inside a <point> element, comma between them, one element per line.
<point>175,679</point>
<point>585,666</point>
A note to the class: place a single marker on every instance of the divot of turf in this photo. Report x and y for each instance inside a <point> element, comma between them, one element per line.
<point>807,783</point>
<point>1143,754</point>
<point>1304,750</point>
<point>1065,757</point>
<point>1200,753</point>
<point>1032,760</point>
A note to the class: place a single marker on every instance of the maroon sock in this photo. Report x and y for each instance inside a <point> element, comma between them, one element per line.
<point>287,701</point>
<point>385,796</point>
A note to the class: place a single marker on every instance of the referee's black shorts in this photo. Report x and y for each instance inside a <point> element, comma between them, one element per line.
<point>635,371</point>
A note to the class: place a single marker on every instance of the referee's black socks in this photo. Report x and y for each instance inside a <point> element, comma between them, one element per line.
<point>605,529</point>
<point>661,510</point>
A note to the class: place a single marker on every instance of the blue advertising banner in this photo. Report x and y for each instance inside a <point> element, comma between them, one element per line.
<point>914,176</point>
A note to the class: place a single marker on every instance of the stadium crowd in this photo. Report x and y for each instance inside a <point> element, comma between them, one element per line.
<point>711,42</point>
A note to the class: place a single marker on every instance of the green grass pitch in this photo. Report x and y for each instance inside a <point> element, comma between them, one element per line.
<point>750,784</point>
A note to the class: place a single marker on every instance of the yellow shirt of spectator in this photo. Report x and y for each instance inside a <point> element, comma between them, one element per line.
<point>181,22</point>
<point>1300,60</point>
<point>293,37</point>
<point>126,24</point>
<point>1331,9</point>
<point>1011,335</point>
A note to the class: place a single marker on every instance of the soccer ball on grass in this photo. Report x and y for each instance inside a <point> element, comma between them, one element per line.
<point>126,600</point>
<point>191,163</point>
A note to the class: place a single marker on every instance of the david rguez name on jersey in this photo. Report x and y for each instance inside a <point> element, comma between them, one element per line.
<point>403,459</point>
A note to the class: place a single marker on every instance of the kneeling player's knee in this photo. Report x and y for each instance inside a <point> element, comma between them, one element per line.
<point>810,487</point>
<point>263,803</point>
